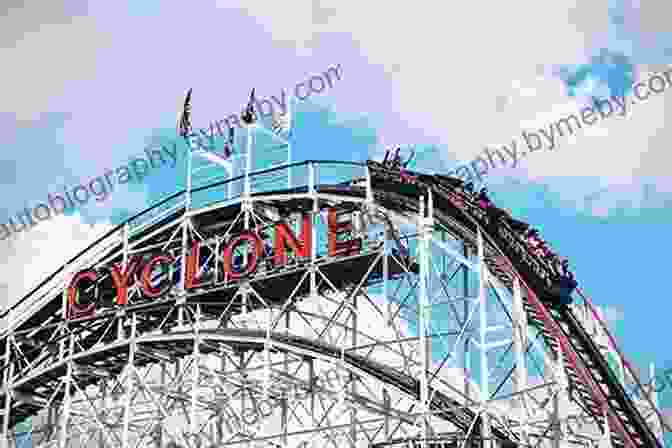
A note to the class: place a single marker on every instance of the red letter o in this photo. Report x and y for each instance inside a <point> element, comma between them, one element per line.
<point>251,238</point>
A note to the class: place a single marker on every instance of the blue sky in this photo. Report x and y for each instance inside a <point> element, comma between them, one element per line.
<point>87,85</point>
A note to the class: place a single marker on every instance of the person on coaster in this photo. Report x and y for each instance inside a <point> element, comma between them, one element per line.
<point>396,162</point>
<point>556,264</point>
<point>483,200</point>
<point>541,249</point>
<point>469,187</point>
<point>565,269</point>
<point>532,237</point>
<point>547,254</point>
<point>567,280</point>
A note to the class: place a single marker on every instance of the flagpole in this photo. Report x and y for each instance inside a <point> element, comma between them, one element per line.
<point>248,163</point>
<point>289,144</point>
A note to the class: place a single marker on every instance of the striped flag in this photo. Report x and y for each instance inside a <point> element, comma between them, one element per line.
<point>282,122</point>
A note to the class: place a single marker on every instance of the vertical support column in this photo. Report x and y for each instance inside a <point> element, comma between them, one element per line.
<point>289,147</point>
<point>183,271</point>
<point>221,419</point>
<point>386,274</point>
<point>129,380</point>
<point>190,162</point>
<point>312,381</point>
<point>423,324</point>
<point>312,190</point>
<point>233,158</point>
<point>267,355</point>
<point>520,347</point>
<point>63,436</point>
<point>248,162</point>
<point>482,296</point>
<point>195,375</point>
<point>466,360</point>
<point>285,399</point>
<point>559,402</point>
<point>247,207</point>
<point>103,395</point>
<point>388,409</point>
<point>8,380</point>
<point>185,230</point>
<point>353,385</point>
<point>160,426</point>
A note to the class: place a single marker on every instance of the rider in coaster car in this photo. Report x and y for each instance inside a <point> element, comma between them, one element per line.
<point>396,162</point>
<point>483,200</point>
<point>469,187</point>
<point>565,269</point>
<point>540,248</point>
<point>567,278</point>
<point>532,237</point>
<point>549,256</point>
<point>556,264</point>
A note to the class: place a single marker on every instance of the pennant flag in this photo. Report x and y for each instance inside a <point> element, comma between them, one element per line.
<point>184,121</point>
<point>249,115</point>
<point>203,141</point>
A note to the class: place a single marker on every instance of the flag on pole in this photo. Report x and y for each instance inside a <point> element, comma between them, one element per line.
<point>249,115</point>
<point>282,122</point>
<point>184,128</point>
<point>184,120</point>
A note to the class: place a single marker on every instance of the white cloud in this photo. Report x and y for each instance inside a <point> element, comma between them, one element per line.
<point>43,57</point>
<point>475,85</point>
<point>28,258</point>
<point>451,70</point>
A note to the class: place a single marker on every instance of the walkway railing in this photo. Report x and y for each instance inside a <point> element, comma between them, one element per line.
<point>226,192</point>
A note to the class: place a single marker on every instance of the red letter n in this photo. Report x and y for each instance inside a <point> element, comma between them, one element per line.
<point>284,235</point>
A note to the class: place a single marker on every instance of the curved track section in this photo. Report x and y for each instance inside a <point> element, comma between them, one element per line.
<point>342,274</point>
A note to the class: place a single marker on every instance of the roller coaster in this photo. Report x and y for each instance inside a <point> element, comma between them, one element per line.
<point>445,329</point>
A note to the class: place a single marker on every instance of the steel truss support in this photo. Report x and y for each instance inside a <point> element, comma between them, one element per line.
<point>520,344</point>
<point>483,329</point>
<point>425,224</point>
<point>405,359</point>
<point>8,380</point>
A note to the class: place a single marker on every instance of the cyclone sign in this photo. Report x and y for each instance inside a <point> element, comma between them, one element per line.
<point>84,293</point>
